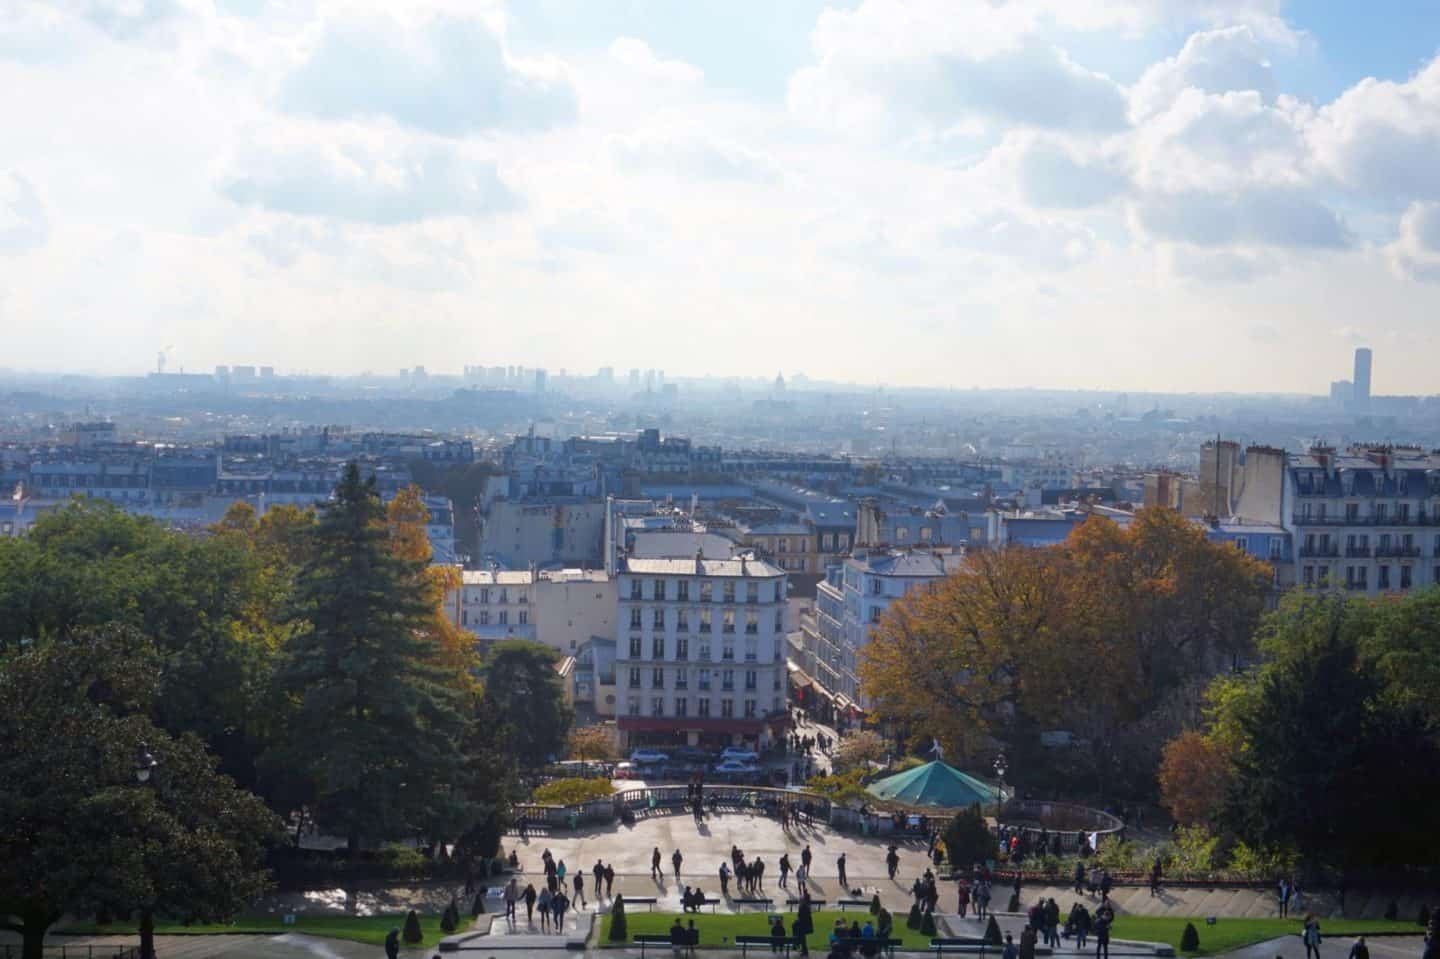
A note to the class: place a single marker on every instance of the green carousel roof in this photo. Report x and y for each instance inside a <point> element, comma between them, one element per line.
<point>934,784</point>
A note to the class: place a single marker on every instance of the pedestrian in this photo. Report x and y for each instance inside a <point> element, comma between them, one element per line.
<point>544,905</point>
<point>1079,878</point>
<point>1358,951</point>
<point>392,944</point>
<point>892,862</point>
<point>1102,936</point>
<point>840,871</point>
<point>675,860</point>
<point>599,873</point>
<point>1284,897</point>
<point>1052,924</point>
<point>609,879</point>
<point>530,897</point>
<point>580,889</point>
<point>805,857</point>
<point>962,898</point>
<point>558,905</point>
<point>1010,952</point>
<point>784,868</point>
<point>512,895</point>
<point>1155,878</point>
<point>1027,943</point>
<point>802,879</point>
<point>655,863</point>
<point>1311,937</point>
<point>725,880</point>
<point>1082,926</point>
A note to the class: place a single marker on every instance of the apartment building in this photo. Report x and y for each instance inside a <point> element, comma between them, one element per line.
<point>700,650</point>
<point>562,609</point>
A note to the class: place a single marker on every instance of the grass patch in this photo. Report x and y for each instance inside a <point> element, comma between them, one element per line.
<point>1228,934</point>
<point>718,930</point>
<point>370,930</point>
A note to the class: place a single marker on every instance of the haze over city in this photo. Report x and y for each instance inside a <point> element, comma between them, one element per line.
<point>1137,195</point>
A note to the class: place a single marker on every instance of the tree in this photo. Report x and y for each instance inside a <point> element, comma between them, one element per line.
<point>78,830</point>
<point>619,928</point>
<point>373,748</point>
<point>1190,938</point>
<point>592,742</point>
<point>967,839</point>
<point>859,749</point>
<point>525,699</point>
<point>1194,778</point>
<point>412,933</point>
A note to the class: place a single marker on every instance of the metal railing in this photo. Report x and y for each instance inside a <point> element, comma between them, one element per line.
<point>14,951</point>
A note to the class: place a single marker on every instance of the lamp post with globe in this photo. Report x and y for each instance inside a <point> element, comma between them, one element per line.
<point>1002,765</point>
<point>145,765</point>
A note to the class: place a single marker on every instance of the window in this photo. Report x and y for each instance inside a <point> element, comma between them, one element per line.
<point>658,618</point>
<point>682,648</point>
<point>704,620</point>
<point>634,677</point>
<point>485,595</point>
<point>657,706</point>
<point>752,622</point>
<point>703,680</point>
<point>1404,577</point>
<point>1352,511</point>
<point>1407,543</point>
<point>727,652</point>
<point>635,617</point>
<point>632,705</point>
<point>727,624</point>
<point>1402,512</point>
<point>635,587</point>
<point>1380,511</point>
<point>1320,512</point>
<point>464,617</point>
<point>504,617</point>
<point>802,564</point>
<point>682,590</point>
<point>504,597</point>
<point>702,707</point>
<point>752,592</point>
<point>524,617</point>
<point>682,679</point>
<point>682,620</point>
<point>782,545</point>
<point>729,591</point>
<point>1362,578</point>
<point>705,652</point>
<point>876,587</point>
<point>484,617</point>
<point>657,678</point>
<point>925,534</point>
<point>634,647</point>
<point>825,542</point>
<point>750,651</point>
<point>659,588</point>
<point>522,598</point>
<point>1384,548</point>
<point>749,709</point>
<point>750,678</point>
<point>1242,544</point>
<point>657,647</point>
<point>682,708</point>
<point>727,708</point>
<point>776,686</point>
<point>1309,575</point>
<point>727,679</point>
<point>901,534</point>
<point>705,591</point>
<point>875,612</point>
<point>1435,575</point>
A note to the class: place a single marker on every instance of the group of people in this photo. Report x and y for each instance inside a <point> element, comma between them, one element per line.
<point>692,899</point>
<point>656,872</point>
<point>976,891</point>
<point>1100,881</point>
<point>552,905</point>
<point>846,941</point>
<point>749,875</point>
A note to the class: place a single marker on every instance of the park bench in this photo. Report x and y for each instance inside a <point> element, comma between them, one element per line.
<point>814,903</point>
<point>711,902</point>
<point>857,944</point>
<point>855,903</point>
<point>646,939</point>
<point>648,901</point>
<point>769,942</point>
<point>942,945</point>
<point>764,901</point>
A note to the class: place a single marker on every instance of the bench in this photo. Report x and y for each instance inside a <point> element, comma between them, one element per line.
<point>856,945</point>
<point>641,901</point>
<point>958,944</point>
<point>764,901</point>
<point>707,901</point>
<point>857,903</point>
<point>645,939</point>
<point>770,942</point>
<point>814,903</point>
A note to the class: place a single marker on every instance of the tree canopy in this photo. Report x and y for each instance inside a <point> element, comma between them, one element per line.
<point>525,700</point>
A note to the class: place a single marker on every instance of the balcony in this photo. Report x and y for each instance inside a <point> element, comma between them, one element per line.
<point>1322,552</point>
<point>1397,551</point>
<point>1417,519</point>
<point>1357,552</point>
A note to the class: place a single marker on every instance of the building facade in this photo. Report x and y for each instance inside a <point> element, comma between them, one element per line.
<point>700,651</point>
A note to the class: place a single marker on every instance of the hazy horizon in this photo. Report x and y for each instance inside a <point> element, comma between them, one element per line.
<point>1146,196</point>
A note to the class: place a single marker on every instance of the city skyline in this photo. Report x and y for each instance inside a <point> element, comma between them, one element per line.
<point>1140,195</point>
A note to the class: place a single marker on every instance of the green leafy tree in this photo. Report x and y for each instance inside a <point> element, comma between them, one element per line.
<point>525,698</point>
<point>79,831</point>
<point>373,747</point>
<point>967,839</point>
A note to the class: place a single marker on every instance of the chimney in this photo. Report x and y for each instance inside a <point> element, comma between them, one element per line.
<point>699,561</point>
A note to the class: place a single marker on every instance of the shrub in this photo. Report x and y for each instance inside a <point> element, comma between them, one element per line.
<point>875,905</point>
<point>402,859</point>
<point>1261,864</point>
<point>619,930</point>
<point>1194,852</point>
<point>1392,911</point>
<point>912,921</point>
<point>572,792</point>
<point>450,919</point>
<point>1190,938</point>
<point>927,924</point>
<point>478,906</point>
<point>412,933</point>
<point>967,839</point>
<point>992,932</point>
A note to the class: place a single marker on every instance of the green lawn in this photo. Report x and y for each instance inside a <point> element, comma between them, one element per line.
<point>717,930</point>
<point>1228,934</point>
<point>367,929</point>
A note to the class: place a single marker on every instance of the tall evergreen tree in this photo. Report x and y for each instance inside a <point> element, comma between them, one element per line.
<point>374,746</point>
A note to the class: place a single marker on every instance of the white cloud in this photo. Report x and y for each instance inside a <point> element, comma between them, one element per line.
<point>367,182</point>
<point>1382,138</point>
<point>24,225</point>
<point>1416,254</point>
<point>445,75</point>
<point>1047,243</point>
<point>1213,61</point>
<point>1265,217</point>
<point>1226,141</point>
<point>638,58</point>
<point>693,156</point>
<point>1050,174</point>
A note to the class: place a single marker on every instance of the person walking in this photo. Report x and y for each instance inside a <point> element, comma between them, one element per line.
<point>530,904</point>
<point>1284,897</point>
<point>392,944</point>
<point>962,898</point>
<point>1359,950</point>
<point>725,879</point>
<point>892,862</point>
<point>840,871</point>
<point>655,863</point>
<point>558,905</point>
<point>805,857</point>
<point>1102,936</point>
<point>580,889</point>
<point>1311,937</point>
<point>1155,878</point>
<point>784,869</point>
<point>802,879</point>
<point>544,905</point>
<point>512,896</point>
<point>609,879</point>
<point>982,900</point>
<point>599,873</point>
<point>1079,878</point>
<point>675,860</point>
<point>1010,952</point>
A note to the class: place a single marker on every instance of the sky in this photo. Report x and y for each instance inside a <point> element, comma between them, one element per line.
<point>1173,195</point>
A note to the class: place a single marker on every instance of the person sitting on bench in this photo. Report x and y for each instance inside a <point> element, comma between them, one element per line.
<point>777,934</point>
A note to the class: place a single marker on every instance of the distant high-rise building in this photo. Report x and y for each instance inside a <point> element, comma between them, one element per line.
<point>1361,389</point>
<point>1341,392</point>
<point>606,374</point>
<point>539,381</point>
<point>634,379</point>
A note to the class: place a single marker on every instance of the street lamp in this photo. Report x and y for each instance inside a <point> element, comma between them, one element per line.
<point>1001,766</point>
<point>145,764</point>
